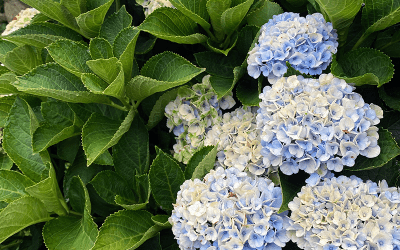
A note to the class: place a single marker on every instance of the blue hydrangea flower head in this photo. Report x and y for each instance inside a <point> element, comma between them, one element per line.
<point>229,210</point>
<point>307,43</point>
<point>192,114</point>
<point>345,213</point>
<point>315,125</point>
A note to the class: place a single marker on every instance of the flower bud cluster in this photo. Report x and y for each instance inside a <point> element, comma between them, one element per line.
<point>238,141</point>
<point>316,125</point>
<point>229,210</point>
<point>346,213</point>
<point>306,43</point>
<point>23,19</point>
<point>192,114</point>
<point>151,5</point>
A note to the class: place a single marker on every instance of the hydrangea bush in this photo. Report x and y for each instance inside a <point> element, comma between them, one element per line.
<point>184,124</point>
<point>21,20</point>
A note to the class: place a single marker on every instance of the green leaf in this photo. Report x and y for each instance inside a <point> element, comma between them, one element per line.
<point>21,214</point>
<point>205,165</point>
<point>290,186</point>
<point>217,64</point>
<point>12,185</point>
<point>51,80</point>
<point>60,123</point>
<point>68,148</point>
<point>41,34</point>
<point>153,243</point>
<point>261,15</point>
<point>71,232</point>
<point>100,133</point>
<point>76,7</point>
<point>201,155</point>
<point>222,86</point>
<point>108,184</point>
<point>5,162</point>
<point>6,81</point>
<point>54,10</point>
<point>100,48</point>
<point>195,10</point>
<point>126,229</point>
<point>157,113</point>
<point>364,66</point>
<point>131,154</point>
<point>247,35</point>
<point>70,55</point>
<point>161,220</point>
<point>145,43</point>
<point>232,17</point>
<point>17,140</point>
<point>219,48</point>
<point>114,24</point>
<point>161,72</point>
<point>340,14</point>
<point>22,59</point>
<point>166,177</point>
<point>124,49</point>
<point>378,15</point>
<point>392,100</point>
<point>6,103</point>
<point>215,9</point>
<point>248,91</point>
<point>49,193</point>
<point>5,47</point>
<point>389,150</point>
<point>170,24</point>
<point>90,22</point>
<point>142,190</point>
<point>388,41</point>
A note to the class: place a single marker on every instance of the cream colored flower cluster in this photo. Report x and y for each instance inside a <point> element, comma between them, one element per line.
<point>151,5</point>
<point>22,20</point>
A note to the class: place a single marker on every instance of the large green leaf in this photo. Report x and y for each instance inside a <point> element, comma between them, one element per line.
<point>42,34</point>
<point>67,232</point>
<point>49,193</point>
<point>248,91</point>
<point>142,189</point>
<point>392,100</point>
<point>364,66</point>
<point>170,24</point>
<point>6,103</point>
<point>389,150</point>
<point>5,162</point>
<point>90,22</point>
<point>100,133</point>
<point>100,48</point>
<point>70,55</point>
<point>21,214</point>
<point>12,185</point>
<point>76,7</point>
<point>217,64</point>
<point>161,72</point>
<point>5,47</point>
<point>201,163</point>
<point>232,17</point>
<point>54,10</point>
<point>114,24</point>
<point>17,140</point>
<point>22,59</point>
<point>51,80</point>
<point>378,15</point>
<point>124,48</point>
<point>131,154</point>
<point>215,9</point>
<point>388,41</point>
<point>60,123</point>
<point>126,229</point>
<point>158,110</point>
<point>340,14</point>
<point>166,177</point>
<point>6,81</point>
<point>261,15</point>
<point>194,9</point>
<point>290,186</point>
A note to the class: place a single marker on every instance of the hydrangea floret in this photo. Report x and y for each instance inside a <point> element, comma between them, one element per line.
<point>229,210</point>
<point>316,125</point>
<point>151,5</point>
<point>21,20</point>
<point>192,114</point>
<point>307,43</point>
<point>238,141</point>
<point>346,213</point>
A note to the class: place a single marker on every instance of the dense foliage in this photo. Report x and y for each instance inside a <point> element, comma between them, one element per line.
<point>122,117</point>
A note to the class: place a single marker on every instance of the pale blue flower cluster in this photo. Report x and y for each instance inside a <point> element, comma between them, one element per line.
<point>316,125</point>
<point>306,43</point>
<point>229,211</point>
<point>346,213</point>
<point>192,114</point>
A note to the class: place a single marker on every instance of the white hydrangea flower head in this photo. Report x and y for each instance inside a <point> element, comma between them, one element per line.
<point>229,210</point>
<point>316,125</point>
<point>23,19</point>
<point>151,5</point>
<point>345,213</point>
<point>238,141</point>
<point>307,43</point>
<point>192,114</point>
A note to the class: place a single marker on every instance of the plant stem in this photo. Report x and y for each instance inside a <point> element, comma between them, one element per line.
<point>11,245</point>
<point>75,213</point>
<point>112,104</point>
<point>117,5</point>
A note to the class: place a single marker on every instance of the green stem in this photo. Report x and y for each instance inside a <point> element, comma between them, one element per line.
<point>117,5</point>
<point>362,38</point>
<point>11,245</point>
<point>112,104</point>
<point>226,42</point>
<point>75,213</point>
